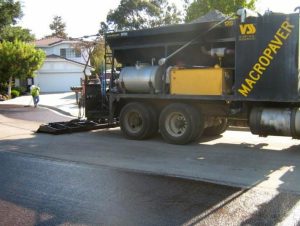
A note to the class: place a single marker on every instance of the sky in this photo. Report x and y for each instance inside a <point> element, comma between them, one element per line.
<point>84,17</point>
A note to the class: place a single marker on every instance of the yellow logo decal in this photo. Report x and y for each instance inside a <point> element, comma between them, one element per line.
<point>266,57</point>
<point>247,29</point>
<point>229,23</point>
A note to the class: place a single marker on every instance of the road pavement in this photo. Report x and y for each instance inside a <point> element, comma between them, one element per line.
<point>47,192</point>
<point>41,191</point>
<point>264,171</point>
<point>236,159</point>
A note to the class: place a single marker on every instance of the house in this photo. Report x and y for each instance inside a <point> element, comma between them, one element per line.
<point>63,66</point>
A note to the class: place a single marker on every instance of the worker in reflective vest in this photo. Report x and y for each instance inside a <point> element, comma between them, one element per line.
<point>35,93</point>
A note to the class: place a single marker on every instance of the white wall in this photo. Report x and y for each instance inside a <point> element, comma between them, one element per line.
<point>58,75</point>
<point>55,65</point>
<point>55,49</point>
<point>57,82</point>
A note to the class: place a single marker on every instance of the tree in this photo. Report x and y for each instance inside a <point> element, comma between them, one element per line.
<point>200,7</point>
<point>18,60</point>
<point>138,14</point>
<point>94,52</point>
<point>103,28</point>
<point>58,27</point>
<point>97,56</point>
<point>10,12</point>
<point>11,34</point>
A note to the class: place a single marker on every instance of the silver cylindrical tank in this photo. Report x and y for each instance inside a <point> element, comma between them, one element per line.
<point>275,121</point>
<point>141,79</point>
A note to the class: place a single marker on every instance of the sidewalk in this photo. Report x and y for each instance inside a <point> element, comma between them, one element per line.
<point>64,103</point>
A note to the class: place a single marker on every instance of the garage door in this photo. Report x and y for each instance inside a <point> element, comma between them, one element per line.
<point>52,83</point>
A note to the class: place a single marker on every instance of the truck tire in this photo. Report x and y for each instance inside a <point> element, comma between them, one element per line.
<point>216,130</point>
<point>138,121</point>
<point>180,123</point>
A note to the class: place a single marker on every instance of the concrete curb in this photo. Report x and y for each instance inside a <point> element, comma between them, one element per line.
<point>57,110</point>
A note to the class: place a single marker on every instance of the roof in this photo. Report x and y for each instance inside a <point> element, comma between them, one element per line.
<point>54,56</point>
<point>48,41</point>
<point>51,41</point>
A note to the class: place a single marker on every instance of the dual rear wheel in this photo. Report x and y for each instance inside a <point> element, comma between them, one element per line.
<point>138,121</point>
<point>178,123</point>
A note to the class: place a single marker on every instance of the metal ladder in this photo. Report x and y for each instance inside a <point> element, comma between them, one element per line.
<point>108,62</point>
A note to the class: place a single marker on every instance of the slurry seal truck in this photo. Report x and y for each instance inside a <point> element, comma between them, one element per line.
<point>189,80</point>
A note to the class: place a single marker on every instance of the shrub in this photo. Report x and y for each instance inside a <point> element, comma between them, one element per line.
<point>15,93</point>
<point>20,89</point>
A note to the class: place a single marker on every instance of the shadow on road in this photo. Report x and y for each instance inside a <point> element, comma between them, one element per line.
<point>278,208</point>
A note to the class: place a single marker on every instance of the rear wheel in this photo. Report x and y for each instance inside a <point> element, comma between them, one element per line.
<point>180,123</point>
<point>138,121</point>
<point>217,129</point>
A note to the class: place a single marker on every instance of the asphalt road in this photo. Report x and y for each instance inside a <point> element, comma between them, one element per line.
<point>82,194</point>
<point>100,178</point>
<point>37,191</point>
<point>237,158</point>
